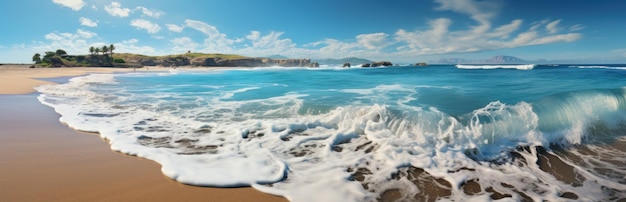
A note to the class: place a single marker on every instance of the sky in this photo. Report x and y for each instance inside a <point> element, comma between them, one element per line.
<point>402,31</point>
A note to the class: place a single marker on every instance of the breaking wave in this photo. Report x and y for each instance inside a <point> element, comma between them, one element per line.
<point>518,67</point>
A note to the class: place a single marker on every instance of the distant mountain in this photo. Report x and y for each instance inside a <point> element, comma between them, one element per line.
<point>352,60</point>
<point>500,59</point>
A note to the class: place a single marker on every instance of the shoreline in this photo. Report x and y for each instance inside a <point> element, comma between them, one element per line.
<point>52,162</point>
<point>20,79</point>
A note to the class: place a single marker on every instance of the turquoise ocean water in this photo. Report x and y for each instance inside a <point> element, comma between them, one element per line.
<point>519,132</point>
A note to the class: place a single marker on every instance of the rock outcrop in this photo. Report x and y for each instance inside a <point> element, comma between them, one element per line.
<point>56,62</point>
<point>347,64</point>
<point>366,65</point>
<point>382,63</point>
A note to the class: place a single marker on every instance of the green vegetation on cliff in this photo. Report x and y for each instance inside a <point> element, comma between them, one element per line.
<point>104,57</point>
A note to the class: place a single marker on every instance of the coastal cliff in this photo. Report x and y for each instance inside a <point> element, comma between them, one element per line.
<point>250,62</point>
<point>188,59</point>
<point>214,60</point>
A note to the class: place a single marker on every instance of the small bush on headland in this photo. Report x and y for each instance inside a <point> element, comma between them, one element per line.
<point>118,60</point>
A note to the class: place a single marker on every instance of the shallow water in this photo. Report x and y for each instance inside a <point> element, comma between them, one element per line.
<point>439,132</point>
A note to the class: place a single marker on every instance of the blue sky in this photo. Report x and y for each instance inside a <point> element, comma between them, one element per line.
<point>403,31</point>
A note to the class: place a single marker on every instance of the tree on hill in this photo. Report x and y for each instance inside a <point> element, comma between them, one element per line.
<point>60,52</point>
<point>47,56</point>
<point>111,48</point>
<point>105,50</point>
<point>37,58</point>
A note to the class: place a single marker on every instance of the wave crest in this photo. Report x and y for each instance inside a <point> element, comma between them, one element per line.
<point>518,67</point>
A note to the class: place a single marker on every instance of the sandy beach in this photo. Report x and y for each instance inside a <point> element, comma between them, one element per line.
<point>44,160</point>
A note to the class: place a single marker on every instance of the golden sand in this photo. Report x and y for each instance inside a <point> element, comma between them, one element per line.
<point>43,160</point>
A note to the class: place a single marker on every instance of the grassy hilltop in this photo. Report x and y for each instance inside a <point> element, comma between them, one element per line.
<point>105,57</point>
<point>60,58</point>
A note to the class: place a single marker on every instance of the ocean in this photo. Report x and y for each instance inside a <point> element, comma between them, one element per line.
<point>439,132</point>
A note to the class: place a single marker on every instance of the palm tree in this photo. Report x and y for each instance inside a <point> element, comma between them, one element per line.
<point>97,51</point>
<point>111,48</point>
<point>92,50</point>
<point>105,50</point>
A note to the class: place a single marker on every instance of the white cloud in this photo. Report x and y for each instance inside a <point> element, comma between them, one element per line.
<point>73,43</point>
<point>577,27</point>
<point>215,41</point>
<point>87,22</point>
<point>552,27</point>
<point>373,41</point>
<point>270,41</point>
<point>479,11</point>
<point>205,28</point>
<point>115,9</point>
<point>429,39</point>
<point>254,35</point>
<point>150,13</point>
<point>335,48</point>
<point>174,28</point>
<point>146,25</point>
<point>505,31</point>
<point>184,44</point>
<point>440,39</point>
<point>73,4</point>
<point>555,38</point>
<point>85,34</point>
<point>131,46</point>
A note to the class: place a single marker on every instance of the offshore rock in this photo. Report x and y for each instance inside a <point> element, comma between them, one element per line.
<point>382,63</point>
<point>314,64</point>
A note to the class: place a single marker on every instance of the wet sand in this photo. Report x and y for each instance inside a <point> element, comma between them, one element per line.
<point>44,160</point>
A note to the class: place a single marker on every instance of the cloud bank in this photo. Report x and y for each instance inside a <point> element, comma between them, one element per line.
<point>439,36</point>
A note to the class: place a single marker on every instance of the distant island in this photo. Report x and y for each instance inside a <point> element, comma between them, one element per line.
<point>105,57</point>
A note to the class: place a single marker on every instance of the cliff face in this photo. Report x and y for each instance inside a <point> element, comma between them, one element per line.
<point>251,62</point>
<point>222,62</point>
<point>192,59</point>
